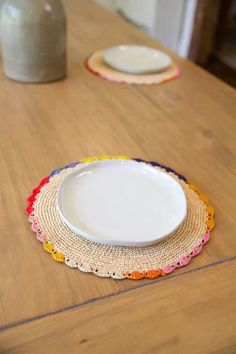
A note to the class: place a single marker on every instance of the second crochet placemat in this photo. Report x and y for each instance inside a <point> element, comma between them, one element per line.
<point>115,261</point>
<point>95,64</point>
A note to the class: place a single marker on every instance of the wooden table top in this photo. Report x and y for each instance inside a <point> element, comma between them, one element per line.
<point>188,124</point>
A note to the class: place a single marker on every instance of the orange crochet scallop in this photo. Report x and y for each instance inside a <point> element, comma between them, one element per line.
<point>153,273</point>
<point>135,275</point>
<point>150,274</point>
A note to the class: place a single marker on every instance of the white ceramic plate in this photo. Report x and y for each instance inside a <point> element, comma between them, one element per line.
<point>121,202</point>
<point>135,59</point>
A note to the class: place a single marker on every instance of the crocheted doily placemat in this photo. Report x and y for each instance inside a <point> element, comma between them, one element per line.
<point>96,65</point>
<point>117,261</point>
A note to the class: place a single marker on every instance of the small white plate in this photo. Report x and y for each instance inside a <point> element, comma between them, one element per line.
<point>121,202</point>
<point>136,59</point>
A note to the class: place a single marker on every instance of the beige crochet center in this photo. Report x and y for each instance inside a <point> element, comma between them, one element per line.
<point>115,260</point>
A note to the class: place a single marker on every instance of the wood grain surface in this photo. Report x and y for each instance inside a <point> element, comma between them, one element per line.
<point>188,124</point>
<point>177,315</point>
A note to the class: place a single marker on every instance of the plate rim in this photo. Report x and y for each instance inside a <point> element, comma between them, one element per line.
<point>98,240</point>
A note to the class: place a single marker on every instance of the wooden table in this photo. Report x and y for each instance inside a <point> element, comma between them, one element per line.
<point>189,124</point>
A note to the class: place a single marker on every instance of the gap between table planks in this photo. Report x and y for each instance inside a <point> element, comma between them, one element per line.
<point>185,314</point>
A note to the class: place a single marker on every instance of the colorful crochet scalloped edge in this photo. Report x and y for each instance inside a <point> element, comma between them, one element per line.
<point>135,275</point>
<point>104,77</point>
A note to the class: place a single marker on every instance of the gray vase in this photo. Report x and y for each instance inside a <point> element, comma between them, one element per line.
<point>33,36</point>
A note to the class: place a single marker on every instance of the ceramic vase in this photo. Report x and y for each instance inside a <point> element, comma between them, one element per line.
<point>33,36</point>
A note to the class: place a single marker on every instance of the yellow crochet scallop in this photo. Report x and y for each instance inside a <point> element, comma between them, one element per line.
<point>210,210</point>
<point>123,157</point>
<point>204,198</point>
<point>48,247</point>
<point>59,257</point>
<point>193,187</point>
<point>105,157</point>
<point>201,195</point>
<point>88,159</point>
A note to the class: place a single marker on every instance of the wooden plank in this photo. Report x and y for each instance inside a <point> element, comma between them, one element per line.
<point>188,124</point>
<point>192,313</point>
